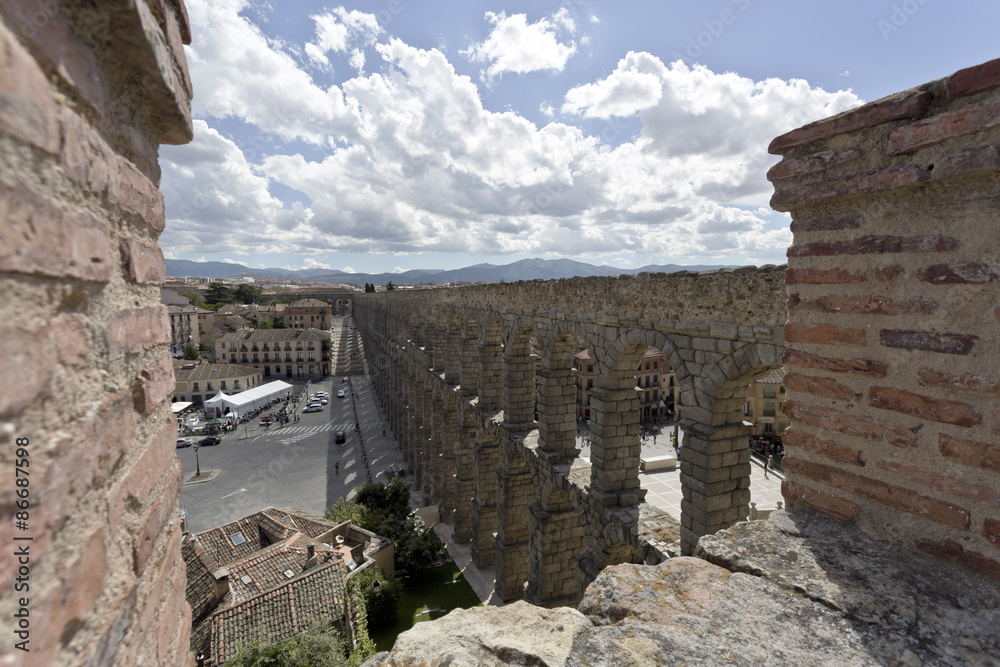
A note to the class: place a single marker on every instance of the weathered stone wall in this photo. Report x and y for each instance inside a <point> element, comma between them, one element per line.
<point>892,360</point>
<point>507,463</point>
<point>88,91</point>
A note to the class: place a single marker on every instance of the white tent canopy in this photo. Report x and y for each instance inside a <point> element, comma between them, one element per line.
<point>251,399</point>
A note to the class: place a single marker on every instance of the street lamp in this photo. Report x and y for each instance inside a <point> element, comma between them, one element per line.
<point>197,461</point>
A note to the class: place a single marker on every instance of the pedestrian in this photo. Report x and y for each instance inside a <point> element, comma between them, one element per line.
<point>383,433</point>
<point>767,464</point>
<point>336,467</point>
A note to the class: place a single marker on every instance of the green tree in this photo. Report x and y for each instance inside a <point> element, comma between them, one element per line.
<point>195,297</point>
<point>369,287</point>
<point>382,601</point>
<point>263,323</point>
<point>319,646</point>
<point>279,323</point>
<point>218,294</point>
<point>191,351</point>
<point>417,547</point>
<point>343,511</point>
<point>389,286</point>
<point>247,293</point>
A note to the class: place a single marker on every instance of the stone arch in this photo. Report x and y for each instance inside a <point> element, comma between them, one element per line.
<point>515,492</point>
<point>519,377</point>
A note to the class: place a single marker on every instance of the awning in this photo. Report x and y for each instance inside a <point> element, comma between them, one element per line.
<point>250,399</point>
<point>180,405</point>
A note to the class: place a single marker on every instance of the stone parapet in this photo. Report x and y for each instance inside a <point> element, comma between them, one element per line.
<point>891,358</point>
<point>89,91</point>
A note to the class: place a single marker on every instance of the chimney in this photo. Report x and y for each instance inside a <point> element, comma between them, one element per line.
<point>221,582</point>
<point>310,557</point>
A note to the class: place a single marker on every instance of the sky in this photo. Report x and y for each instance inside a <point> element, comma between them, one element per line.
<point>387,135</point>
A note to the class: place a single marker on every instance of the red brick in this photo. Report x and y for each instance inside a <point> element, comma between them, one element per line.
<point>134,193</point>
<point>28,110</point>
<point>795,357</point>
<point>966,161</point>
<point>928,341</point>
<point>824,418</point>
<point>944,126</point>
<point>144,474</point>
<point>85,157</point>
<point>153,385</point>
<point>827,448</point>
<point>171,623</point>
<point>818,386</point>
<point>886,494</point>
<point>977,384</point>
<point>941,482</point>
<point>970,452</point>
<point>907,104</point>
<point>924,407</point>
<point>43,239</point>
<point>955,552</point>
<point>161,512</point>
<point>874,245</point>
<point>867,304</point>
<point>824,334</point>
<point>809,164</point>
<point>973,79</point>
<point>137,330</point>
<point>57,48</point>
<point>82,579</point>
<point>143,262</point>
<point>27,367</point>
<point>169,568</point>
<point>71,332</point>
<point>991,531</point>
<point>824,502</point>
<point>972,273</point>
<point>822,276</point>
<point>828,223</point>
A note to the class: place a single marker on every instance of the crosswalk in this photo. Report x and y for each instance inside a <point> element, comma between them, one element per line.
<point>307,430</point>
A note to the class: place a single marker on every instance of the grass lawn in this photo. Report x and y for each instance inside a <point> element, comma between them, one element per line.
<point>440,589</point>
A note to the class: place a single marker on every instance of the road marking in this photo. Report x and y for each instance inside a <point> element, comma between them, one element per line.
<point>232,494</point>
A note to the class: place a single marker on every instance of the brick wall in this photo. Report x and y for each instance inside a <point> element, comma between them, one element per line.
<point>893,282</point>
<point>88,92</point>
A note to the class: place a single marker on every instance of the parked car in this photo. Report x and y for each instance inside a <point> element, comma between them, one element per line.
<point>184,442</point>
<point>313,407</point>
<point>210,440</point>
<point>340,437</point>
<point>341,394</point>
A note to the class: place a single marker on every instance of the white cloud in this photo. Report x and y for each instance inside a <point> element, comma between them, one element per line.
<point>398,269</point>
<point>313,263</point>
<point>514,45</point>
<point>348,269</point>
<point>337,29</point>
<point>426,168</point>
<point>546,109</point>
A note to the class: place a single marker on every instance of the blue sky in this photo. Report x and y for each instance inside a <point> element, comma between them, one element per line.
<point>421,134</point>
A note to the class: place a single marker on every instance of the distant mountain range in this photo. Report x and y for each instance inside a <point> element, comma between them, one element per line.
<point>526,269</point>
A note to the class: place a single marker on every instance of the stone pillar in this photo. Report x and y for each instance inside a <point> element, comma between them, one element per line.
<point>556,414</point>
<point>514,492</point>
<point>615,450</point>
<point>490,377</point>
<point>465,488</point>
<point>519,391</point>
<point>449,457</point>
<point>715,479</point>
<point>484,511</point>
<point>556,537</point>
<point>470,366</point>
<point>452,356</point>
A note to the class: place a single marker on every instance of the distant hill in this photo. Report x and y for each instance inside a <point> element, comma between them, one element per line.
<point>526,269</point>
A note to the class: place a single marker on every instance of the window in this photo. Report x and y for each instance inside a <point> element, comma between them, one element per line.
<point>768,428</point>
<point>222,385</point>
<point>237,538</point>
<point>196,387</point>
<point>768,391</point>
<point>768,409</point>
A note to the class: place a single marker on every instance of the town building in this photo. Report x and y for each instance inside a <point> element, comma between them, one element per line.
<point>763,410</point>
<point>198,381</point>
<point>654,379</point>
<point>309,314</point>
<point>299,354</point>
<point>270,575</point>
<point>187,325</point>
